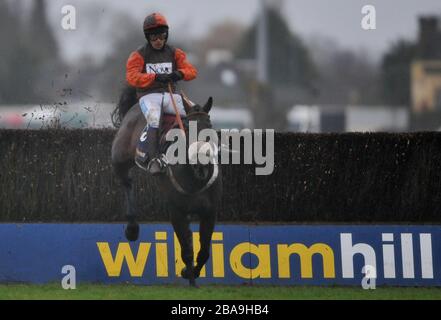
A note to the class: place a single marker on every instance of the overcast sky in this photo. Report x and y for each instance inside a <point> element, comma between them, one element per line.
<point>337,19</point>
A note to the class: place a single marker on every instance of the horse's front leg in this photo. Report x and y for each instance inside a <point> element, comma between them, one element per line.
<point>132,228</point>
<point>181,225</point>
<point>206,228</point>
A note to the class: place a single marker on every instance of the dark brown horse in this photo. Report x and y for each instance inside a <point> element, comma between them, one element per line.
<point>187,189</point>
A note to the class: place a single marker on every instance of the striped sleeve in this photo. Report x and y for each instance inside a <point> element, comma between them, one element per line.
<point>134,75</point>
<point>187,69</point>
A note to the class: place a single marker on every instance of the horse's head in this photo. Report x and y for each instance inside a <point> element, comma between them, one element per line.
<point>201,153</point>
<point>199,114</point>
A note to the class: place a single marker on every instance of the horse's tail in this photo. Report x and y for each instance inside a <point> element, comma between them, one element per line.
<point>126,100</point>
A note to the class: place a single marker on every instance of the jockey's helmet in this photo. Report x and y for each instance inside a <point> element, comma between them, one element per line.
<point>155,23</point>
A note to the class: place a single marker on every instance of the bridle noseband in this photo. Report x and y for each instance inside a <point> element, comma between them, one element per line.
<point>214,174</point>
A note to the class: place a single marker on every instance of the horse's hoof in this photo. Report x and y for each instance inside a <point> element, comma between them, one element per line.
<point>193,285</point>
<point>184,273</point>
<point>132,231</point>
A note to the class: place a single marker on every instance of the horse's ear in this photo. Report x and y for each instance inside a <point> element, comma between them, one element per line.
<point>208,105</point>
<point>186,104</point>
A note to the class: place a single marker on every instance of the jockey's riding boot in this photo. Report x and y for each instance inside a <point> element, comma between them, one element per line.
<point>142,156</point>
<point>156,164</point>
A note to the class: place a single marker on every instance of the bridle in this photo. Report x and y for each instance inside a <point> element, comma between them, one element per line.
<point>170,174</point>
<point>197,113</point>
<point>180,189</point>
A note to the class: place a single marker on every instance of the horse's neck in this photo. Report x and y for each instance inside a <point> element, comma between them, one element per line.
<point>185,176</point>
<point>183,171</point>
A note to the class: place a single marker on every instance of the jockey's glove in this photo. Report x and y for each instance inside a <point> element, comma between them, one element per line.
<point>172,77</point>
<point>164,78</point>
<point>176,76</point>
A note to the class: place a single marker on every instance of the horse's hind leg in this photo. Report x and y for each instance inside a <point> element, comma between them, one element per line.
<point>121,170</point>
<point>206,228</point>
<point>181,225</point>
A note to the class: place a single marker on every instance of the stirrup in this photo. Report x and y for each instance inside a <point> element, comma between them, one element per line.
<point>157,165</point>
<point>141,160</point>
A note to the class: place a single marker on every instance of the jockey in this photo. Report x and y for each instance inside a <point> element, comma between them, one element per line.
<point>150,69</point>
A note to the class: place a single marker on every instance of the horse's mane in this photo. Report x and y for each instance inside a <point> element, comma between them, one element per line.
<point>127,99</point>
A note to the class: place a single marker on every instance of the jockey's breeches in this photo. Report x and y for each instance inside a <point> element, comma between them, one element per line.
<point>153,104</point>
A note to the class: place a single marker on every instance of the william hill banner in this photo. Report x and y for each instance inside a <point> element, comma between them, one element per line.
<point>264,254</point>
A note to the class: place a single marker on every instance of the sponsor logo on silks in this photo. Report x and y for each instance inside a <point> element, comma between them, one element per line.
<point>317,260</point>
<point>159,68</point>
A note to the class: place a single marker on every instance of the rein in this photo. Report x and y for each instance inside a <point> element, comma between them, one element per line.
<point>170,174</point>
<point>178,116</point>
<point>180,189</point>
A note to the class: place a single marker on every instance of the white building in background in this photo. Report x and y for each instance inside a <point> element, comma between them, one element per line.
<point>231,118</point>
<point>318,119</point>
<point>304,119</point>
<point>370,118</point>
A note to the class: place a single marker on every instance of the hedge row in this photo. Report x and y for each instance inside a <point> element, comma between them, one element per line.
<point>66,176</point>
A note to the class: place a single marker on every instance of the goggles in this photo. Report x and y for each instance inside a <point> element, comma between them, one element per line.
<point>160,36</point>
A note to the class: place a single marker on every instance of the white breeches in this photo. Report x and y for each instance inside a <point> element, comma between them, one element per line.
<point>151,107</point>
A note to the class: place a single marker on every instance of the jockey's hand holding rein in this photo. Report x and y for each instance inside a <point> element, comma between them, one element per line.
<point>171,77</point>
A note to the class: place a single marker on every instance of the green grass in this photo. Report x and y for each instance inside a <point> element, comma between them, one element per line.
<point>208,292</point>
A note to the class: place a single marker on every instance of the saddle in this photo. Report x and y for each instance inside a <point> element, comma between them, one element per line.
<point>168,122</point>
